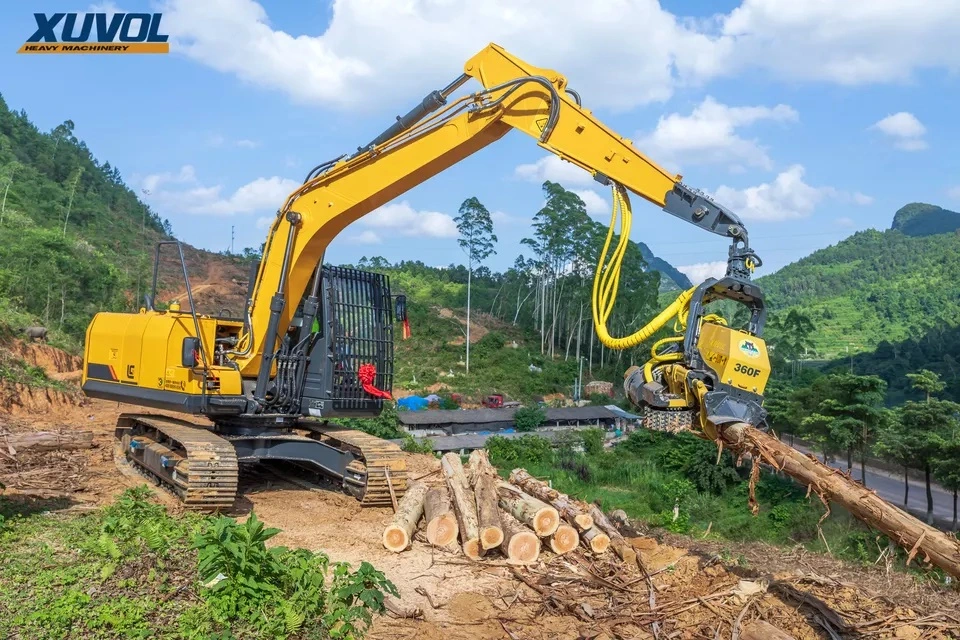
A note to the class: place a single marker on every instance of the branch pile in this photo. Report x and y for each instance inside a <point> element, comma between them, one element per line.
<point>484,516</point>
<point>44,463</point>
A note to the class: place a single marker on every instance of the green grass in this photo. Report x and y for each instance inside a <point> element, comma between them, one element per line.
<point>131,570</point>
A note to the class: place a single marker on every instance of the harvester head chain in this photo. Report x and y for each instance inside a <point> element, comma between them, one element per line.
<point>670,421</point>
<point>187,459</point>
<point>376,458</point>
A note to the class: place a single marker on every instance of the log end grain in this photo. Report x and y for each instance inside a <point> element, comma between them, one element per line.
<point>472,549</point>
<point>584,521</point>
<point>442,530</point>
<point>395,538</point>
<point>564,540</point>
<point>491,537</point>
<point>523,548</point>
<point>546,521</point>
<point>600,543</point>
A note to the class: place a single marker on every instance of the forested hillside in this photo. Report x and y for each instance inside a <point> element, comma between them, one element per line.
<point>874,286</point>
<point>73,233</point>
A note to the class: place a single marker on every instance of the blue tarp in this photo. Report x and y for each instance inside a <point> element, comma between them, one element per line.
<point>413,403</point>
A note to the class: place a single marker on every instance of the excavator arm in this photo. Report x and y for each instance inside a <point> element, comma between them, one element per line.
<point>436,134</point>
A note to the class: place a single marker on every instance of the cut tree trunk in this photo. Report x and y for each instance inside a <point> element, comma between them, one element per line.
<point>488,512</point>
<point>564,540</point>
<point>399,533</point>
<point>442,528</point>
<point>481,474</point>
<point>574,512</point>
<point>760,630</point>
<point>464,505</point>
<point>620,546</point>
<point>908,532</point>
<point>596,539</point>
<point>534,513</point>
<point>46,441</point>
<point>520,544</point>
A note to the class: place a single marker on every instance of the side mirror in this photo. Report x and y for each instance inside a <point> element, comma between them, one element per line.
<point>190,352</point>
<point>401,308</point>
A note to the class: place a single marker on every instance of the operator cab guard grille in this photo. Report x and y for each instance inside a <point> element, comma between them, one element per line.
<point>361,326</point>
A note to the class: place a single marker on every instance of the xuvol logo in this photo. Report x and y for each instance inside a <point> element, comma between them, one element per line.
<point>97,33</point>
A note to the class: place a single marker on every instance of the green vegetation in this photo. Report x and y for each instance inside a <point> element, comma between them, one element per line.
<point>921,219</point>
<point>131,570</point>
<point>673,482</point>
<point>76,239</point>
<point>844,413</point>
<point>873,289</point>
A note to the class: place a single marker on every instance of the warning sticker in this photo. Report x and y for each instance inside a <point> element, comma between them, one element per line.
<point>541,123</point>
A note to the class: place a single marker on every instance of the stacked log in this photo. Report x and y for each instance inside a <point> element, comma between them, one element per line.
<point>464,505</point>
<point>473,510</point>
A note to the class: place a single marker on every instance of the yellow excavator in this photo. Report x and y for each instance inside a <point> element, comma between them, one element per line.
<point>315,342</point>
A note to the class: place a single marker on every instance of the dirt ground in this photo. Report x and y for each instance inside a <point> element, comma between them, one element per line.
<point>696,591</point>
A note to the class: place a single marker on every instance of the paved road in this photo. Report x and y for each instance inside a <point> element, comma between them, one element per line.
<point>889,486</point>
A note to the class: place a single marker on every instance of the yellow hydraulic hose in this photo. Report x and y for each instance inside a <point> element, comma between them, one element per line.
<point>606,282</point>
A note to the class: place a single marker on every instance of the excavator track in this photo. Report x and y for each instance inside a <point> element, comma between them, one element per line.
<point>382,465</point>
<point>188,460</point>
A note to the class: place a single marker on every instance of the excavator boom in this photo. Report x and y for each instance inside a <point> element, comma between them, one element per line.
<point>315,342</point>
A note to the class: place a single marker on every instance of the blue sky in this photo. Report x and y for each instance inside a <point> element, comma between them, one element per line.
<point>810,120</point>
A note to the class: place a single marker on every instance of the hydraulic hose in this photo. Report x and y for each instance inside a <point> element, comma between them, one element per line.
<point>606,283</point>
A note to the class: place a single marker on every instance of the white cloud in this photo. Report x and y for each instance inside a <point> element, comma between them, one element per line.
<point>501,217</point>
<point>264,222</point>
<point>786,197</point>
<point>554,169</point>
<point>709,135</point>
<point>862,199</point>
<point>595,203</point>
<point>907,132</point>
<point>402,219</point>
<point>849,43</point>
<point>703,270</point>
<point>184,193</point>
<point>217,140</point>
<point>954,192</point>
<point>845,222</point>
<point>408,48</point>
<point>365,237</point>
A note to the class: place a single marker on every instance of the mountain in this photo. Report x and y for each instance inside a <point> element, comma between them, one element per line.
<point>876,286</point>
<point>672,279</point>
<point>919,219</point>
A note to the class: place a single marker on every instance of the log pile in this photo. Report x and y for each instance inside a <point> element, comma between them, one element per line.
<point>472,509</point>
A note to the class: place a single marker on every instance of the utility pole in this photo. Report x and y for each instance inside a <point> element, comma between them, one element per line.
<point>231,239</point>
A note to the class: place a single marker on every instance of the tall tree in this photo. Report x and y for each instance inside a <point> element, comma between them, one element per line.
<point>72,185</point>
<point>6,178</point>
<point>946,468</point>
<point>926,381</point>
<point>855,409</point>
<point>477,240</point>
<point>926,425</point>
<point>892,445</point>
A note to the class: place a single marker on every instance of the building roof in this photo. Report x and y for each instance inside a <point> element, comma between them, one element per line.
<point>478,416</point>
<point>621,413</point>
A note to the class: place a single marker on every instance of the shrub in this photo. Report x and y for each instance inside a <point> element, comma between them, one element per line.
<point>526,449</point>
<point>592,441</point>
<point>529,418</point>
